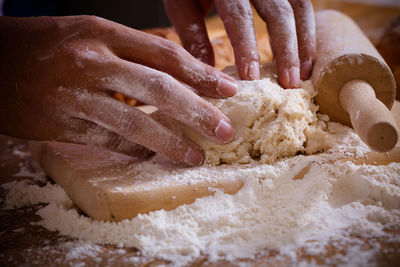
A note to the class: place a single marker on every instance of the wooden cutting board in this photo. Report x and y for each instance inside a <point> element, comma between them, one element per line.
<point>106,186</point>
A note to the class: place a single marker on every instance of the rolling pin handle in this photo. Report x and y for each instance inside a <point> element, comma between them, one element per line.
<point>371,119</point>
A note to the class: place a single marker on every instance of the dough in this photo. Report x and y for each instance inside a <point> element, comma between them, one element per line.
<point>271,123</point>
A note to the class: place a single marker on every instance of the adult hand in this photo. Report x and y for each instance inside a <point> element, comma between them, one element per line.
<point>291,28</point>
<point>57,76</point>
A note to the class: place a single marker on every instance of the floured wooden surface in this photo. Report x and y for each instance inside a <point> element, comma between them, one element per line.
<point>107,186</point>
<point>300,202</point>
<point>65,249</point>
<point>111,186</point>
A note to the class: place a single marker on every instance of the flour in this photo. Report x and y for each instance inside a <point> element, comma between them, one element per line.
<point>78,250</point>
<point>272,211</point>
<point>25,193</point>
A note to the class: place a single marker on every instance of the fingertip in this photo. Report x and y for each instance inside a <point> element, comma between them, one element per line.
<point>294,74</point>
<point>193,157</point>
<point>224,131</point>
<point>249,71</point>
<point>290,78</point>
<point>227,87</point>
<point>253,71</point>
<point>283,79</point>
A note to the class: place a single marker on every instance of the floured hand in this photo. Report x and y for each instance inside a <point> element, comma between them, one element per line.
<point>291,27</point>
<point>57,76</point>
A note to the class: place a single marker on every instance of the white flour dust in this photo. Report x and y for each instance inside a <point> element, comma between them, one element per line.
<point>333,202</point>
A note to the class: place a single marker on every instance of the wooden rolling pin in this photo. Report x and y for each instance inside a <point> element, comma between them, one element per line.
<point>355,85</point>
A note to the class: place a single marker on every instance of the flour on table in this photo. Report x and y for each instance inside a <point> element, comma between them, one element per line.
<point>332,204</point>
<point>270,122</point>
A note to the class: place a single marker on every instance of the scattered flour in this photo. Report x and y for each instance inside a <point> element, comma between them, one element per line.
<point>79,250</point>
<point>333,202</point>
<point>25,193</point>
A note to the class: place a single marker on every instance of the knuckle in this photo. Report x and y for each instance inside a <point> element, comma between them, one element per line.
<point>90,26</point>
<point>207,118</point>
<point>92,21</point>
<point>173,50</point>
<point>284,10</point>
<point>87,19</point>
<point>129,126</point>
<point>235,9</point>
<point>281,9</point>
<point>72,52</point>
<point>162,85</point>
<point>241,11</point>
<point>274,11</point>
<point>80,54</point>
<point>69,53</point>
<point>245,11</point>
<point>302,4</point>
<point>208,76</point>
<point>201,77</point>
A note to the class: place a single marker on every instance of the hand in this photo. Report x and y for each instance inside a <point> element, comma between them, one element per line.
<point>57,76</point>
<point>291,28</point>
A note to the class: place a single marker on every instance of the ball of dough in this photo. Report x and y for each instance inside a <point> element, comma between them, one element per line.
<point>270,122</point>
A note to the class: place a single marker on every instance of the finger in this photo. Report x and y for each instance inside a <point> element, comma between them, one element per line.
<point>305,28</point>
<point>238,20</point>
<point>137,127</point>
<point>171,58</point>
<point>88,133</point>
<point>170,96</point>
<point>282,30</point>
<point>188,20</point>
<point>163,91</point>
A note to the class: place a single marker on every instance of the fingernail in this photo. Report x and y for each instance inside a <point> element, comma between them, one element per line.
<point>194,157</point>
<point>253,71</point>
<point>305,69</point>
<point>226,87</point>
<point>294,77</point>
<point>224,131</point>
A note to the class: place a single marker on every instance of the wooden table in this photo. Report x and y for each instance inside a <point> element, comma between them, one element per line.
<point>24,244</point>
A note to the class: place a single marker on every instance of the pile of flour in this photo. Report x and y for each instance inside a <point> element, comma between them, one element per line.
<point>272,211</point>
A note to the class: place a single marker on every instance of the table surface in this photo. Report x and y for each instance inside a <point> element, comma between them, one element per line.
<point>24,244</point>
